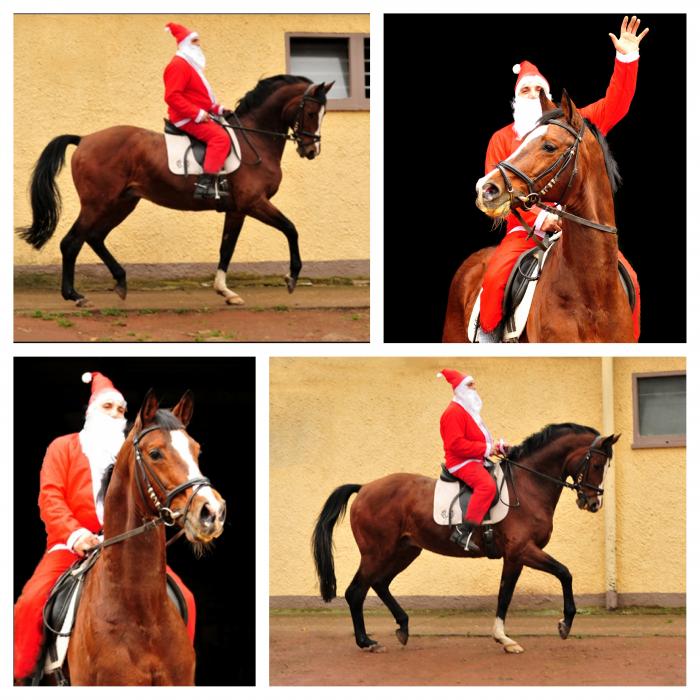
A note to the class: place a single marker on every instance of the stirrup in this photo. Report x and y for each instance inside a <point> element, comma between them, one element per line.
<point>463,537</point>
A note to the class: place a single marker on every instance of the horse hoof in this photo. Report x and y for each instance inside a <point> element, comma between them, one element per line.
<point>402,635</point>
<point>291,283</point>
<point>513,649</point>
<point>121,291</point>
<point>564,629</point>
<point>375,648</point>
<point>82,303</point>
<point>234,300</point>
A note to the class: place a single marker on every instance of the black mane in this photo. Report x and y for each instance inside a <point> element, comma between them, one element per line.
<point>610,162</point>
<point>265,87</point>
<point>550,432</point>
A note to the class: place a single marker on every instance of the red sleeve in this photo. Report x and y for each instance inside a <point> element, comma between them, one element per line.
<point>176,78</point>
<point>452,428</point>
<point>58,518</point>
<point>607,112</point>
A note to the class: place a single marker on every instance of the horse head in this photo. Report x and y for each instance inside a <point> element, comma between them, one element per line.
<point>304,114</point>
<point>587,465</point>
<point>545,164</point>
<point>167,471</point>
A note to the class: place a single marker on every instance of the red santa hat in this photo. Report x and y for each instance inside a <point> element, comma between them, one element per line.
<point>102,387</point>
<point>528,74</point>
<point>455,378</point>
<point>180,33</point>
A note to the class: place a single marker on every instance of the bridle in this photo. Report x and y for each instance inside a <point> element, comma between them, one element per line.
<point>580,474</point>
<point>145,476</point>
<point>558,168</point>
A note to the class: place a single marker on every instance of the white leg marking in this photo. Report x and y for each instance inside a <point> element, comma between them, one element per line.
<point>499,634</point>
<point>221,288</point>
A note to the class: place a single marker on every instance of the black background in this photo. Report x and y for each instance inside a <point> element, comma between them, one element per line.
<point>448,87</point>
<point>50,400</point>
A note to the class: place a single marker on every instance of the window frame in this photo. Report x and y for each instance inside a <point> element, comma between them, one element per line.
<point>356,66</point>
<point>640,441</point>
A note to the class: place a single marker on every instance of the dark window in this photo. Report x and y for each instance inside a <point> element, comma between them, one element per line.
<point>659,409</point>
<point>343,58</point>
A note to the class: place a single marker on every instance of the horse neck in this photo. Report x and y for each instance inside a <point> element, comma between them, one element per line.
<point>140,559</point>
<point>272,116</point>
<point>584,248</point>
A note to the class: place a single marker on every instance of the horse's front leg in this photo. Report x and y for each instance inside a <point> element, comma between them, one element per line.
<point>232,229</point>
<point>535,558</point>
<point>509,578</point>
<point>267,213</point>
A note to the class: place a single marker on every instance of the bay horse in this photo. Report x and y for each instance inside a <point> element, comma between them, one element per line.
<point>579,297</point>
<point>127,632</point>
<point>115,168</point>
<point>392,521</point>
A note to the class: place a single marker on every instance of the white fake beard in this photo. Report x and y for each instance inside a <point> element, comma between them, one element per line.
<point>526,112</point>
<point>468,399</point>
<point>101,439</point>
<point>195,54</point>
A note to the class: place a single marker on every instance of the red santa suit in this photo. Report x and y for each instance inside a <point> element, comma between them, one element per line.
<point>604,113</point>
<point>68,507</point>
<point>190,99</point>
<point>467,443</point>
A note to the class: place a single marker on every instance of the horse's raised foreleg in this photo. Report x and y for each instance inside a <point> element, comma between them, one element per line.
<point>509,578</point>
<point>535,558</point>
<point>232,229</point>
<point>381,588</point>
<point>267,213</point>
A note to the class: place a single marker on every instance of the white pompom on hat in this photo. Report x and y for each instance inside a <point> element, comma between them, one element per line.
<point>101,385</point>
<point>528,74</point>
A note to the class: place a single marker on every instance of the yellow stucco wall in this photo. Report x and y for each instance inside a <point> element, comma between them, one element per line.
<point>96,71</point>
<point>350,420</point>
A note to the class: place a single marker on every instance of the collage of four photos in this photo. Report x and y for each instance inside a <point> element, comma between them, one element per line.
<point>285,344</point>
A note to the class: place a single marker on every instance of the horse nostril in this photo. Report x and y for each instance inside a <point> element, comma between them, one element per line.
<point>489,191</point>
<point>207,516</point>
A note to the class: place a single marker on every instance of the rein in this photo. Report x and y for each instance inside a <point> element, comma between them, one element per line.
<point>534,196</point>
<point>580,476</point>
<point>166,516</point>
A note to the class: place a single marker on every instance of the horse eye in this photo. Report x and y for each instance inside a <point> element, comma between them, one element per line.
<point>155,454</point>
<point>549,147</point>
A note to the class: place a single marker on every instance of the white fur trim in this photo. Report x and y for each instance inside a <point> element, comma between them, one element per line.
<point>200,116</point>
<point>87,377</point>
<point>627,57</point>
<point>533,80</point>
<point>75,536</point>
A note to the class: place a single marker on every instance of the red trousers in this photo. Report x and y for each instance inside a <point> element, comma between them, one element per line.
<point>475,476</point>
<point>217,140</point>
<point>498,271</point>
<point>28,622</point>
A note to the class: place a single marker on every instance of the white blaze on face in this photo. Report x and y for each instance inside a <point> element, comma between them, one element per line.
<point>602,482</point>
<point>182,446</point>
<point>317,145</point>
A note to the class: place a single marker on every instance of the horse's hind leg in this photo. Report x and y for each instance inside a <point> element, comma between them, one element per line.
<point>71,244</point>
<point>232,229</point>
<point>96,240</point>
<point>355,595</point>
<point>403,558</point>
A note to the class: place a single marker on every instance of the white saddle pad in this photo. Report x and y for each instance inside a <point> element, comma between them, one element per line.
<point>446,496</point>
<point>177,146</point>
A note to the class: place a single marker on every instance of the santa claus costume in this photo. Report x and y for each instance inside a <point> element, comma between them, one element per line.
<point>467,443</point>
<point>190,100</point>
<point>604,114</point>
<point>71,505</point>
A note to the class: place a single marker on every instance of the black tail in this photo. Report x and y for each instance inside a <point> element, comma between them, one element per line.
<point>46,199</point>
<point>322,540</point>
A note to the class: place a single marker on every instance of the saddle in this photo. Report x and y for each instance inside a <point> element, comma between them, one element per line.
<point>452,496</point>
<point>520,289</point>
<point>61,608</point>
<point>186,153</point>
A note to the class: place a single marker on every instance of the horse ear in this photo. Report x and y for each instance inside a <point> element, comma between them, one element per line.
<point>185,408</point>
<point>148,409</point>
<point>327,86</point>
<point>609,441</point>
<point>546,104</point>
<point>571,114</point>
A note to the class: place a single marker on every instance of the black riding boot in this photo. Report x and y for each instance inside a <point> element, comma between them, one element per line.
<point>210,186</point>
<point>462,535</point>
